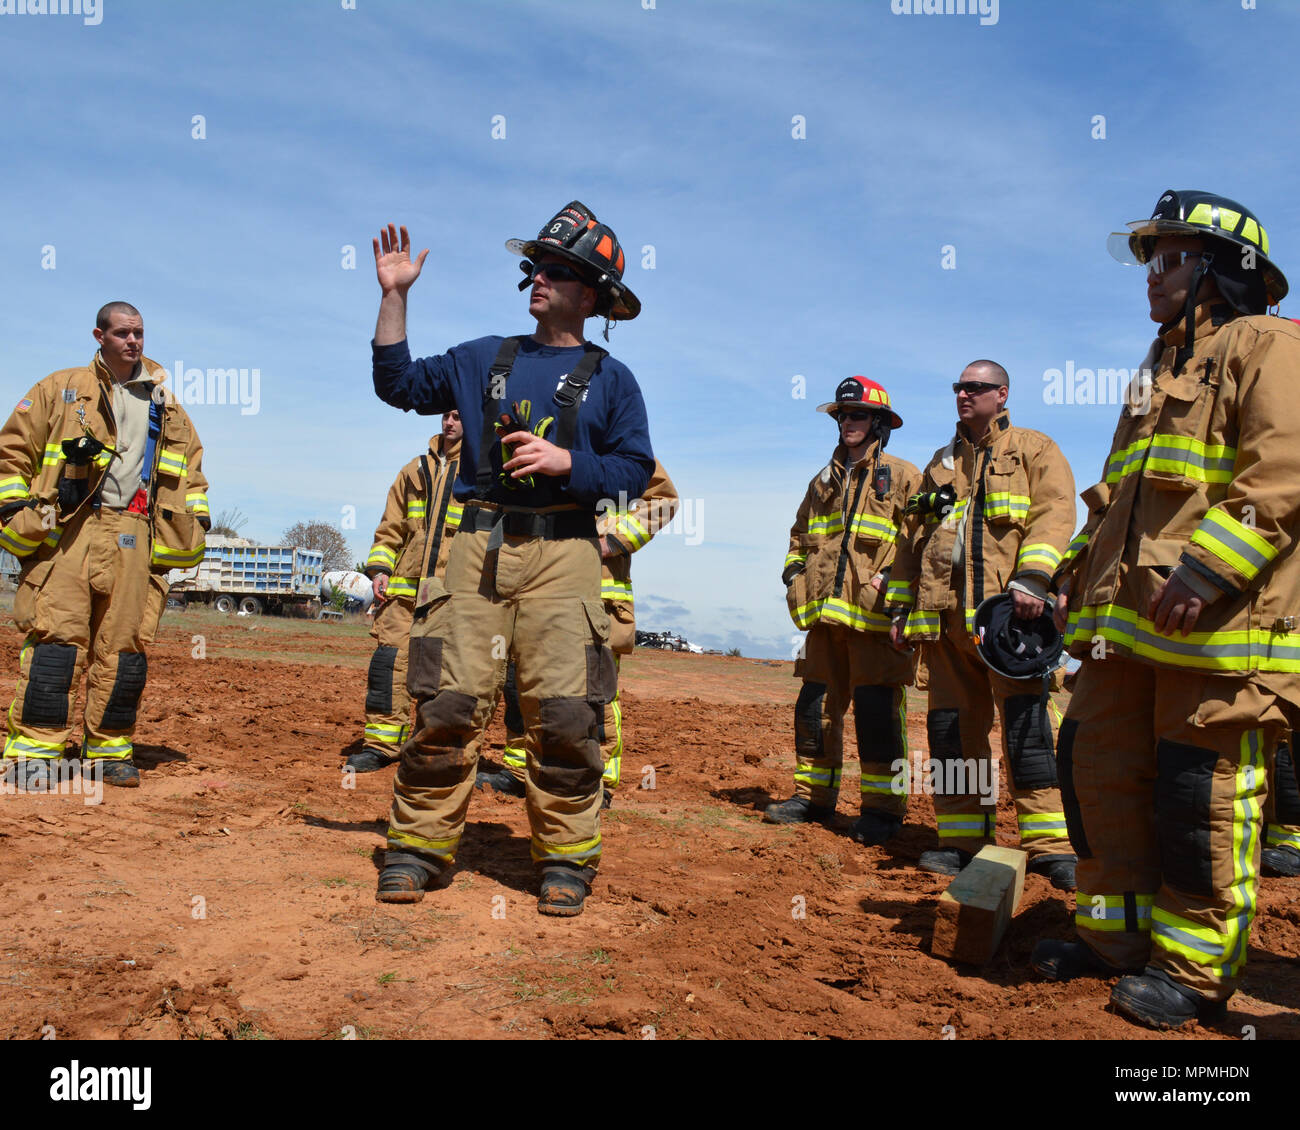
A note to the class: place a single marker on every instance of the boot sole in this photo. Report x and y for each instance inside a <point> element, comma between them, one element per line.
<point>398,896</point>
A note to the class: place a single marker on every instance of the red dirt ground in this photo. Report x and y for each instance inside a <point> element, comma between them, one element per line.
<point>232,894</point>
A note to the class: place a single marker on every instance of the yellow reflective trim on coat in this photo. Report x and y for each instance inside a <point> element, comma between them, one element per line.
<point>1076,547</point>
<point>1175,455</point>
<point>631,530</point>
<point>417,508</point>
<point>824,525</point>
<point>611,589</point>
<point>922,623</point>
<point>1237,650</point>
<point>1040,556</point>
<point>52,538</point>
<point>999,504</point>
<point>399,587</point>
<point>197,501</point>
<point>864,525</point>
<point>837,611</point>
<point>381,555</point>
<point>795,559</point>
<point>805,615</point>
<point>454,512</point>
<point>13,487</point>
<point>172,462</point>
<point>1236,544</point>
<point>446,849</point>
<point>899,592</point>
<point>16,544</point>
<point>175,558</point>
<point>53,454</point>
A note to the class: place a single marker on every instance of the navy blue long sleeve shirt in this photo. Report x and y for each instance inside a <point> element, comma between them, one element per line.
<point>612,458</point>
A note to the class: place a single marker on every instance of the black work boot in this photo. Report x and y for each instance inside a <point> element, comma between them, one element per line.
<point>944,861</point>
<point>1059,869</point>
<point>1283,861</point>
<point>1064,961</point>
<point>29,774</point>
<point>368,761</point>
<point>502,781</point>
<point>112,771</point>
<point>406,877</point>
<point>1155,999</point>
<point>797,810</point>
<point>875,827</point>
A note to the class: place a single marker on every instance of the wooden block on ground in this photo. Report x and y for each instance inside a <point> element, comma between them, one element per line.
<point>977,906</point>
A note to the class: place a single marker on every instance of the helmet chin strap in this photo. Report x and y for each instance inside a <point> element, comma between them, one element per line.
<point>1189,310</point>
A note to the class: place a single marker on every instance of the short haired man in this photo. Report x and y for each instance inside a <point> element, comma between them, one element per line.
<point>996,512</point>
<point>840,553</point>
<point>1181,592</point>
<point>101,493</point>
<point>523,579</point>
<point>412,541</point>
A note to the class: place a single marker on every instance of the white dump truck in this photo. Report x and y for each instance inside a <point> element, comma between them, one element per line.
<point>239,575</point>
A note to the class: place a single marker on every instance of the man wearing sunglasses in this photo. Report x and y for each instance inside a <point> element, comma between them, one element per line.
<point>552,425</point>
<point>994,514</point>
<point>841,547</point>
<point>1182,594</point>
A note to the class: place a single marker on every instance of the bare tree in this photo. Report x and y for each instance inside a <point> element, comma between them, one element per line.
<point>323,537</point>
<point>229,522</point>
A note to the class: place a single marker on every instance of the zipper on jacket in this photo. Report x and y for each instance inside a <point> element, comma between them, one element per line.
<point>975,519</point>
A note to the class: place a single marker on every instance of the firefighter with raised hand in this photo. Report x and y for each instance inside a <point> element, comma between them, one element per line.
<point>623,530</point>
<point>101,494</point>
<point>1182,594</point>
<point>412,540</point>
<point>552,425</point>
<point>994,514</point>
<point>841,548</point>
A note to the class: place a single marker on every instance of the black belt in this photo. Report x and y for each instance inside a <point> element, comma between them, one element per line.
<point>529,523</point>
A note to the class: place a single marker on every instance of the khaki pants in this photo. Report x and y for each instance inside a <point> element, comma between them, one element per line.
<point>514,755</point>
<point>539,602</point>
<point>1164,775</point>
<point>963,691</point>
<point>388,704</point>
<point>842,666</point>
<point>91,606</point>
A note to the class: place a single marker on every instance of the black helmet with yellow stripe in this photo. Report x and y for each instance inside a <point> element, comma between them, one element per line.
<point>1236,245</point>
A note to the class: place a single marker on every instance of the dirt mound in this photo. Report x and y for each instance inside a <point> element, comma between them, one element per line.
<point>232,895</point>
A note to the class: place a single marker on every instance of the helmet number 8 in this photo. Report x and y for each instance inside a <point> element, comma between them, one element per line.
<point>556,227</point>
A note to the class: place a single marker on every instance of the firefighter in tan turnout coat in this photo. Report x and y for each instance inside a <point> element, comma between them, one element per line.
<point>995,514</point>
<point>841,548</point>
<point>412,540</point>
<point>101,493</point>
<point>1183,601</point>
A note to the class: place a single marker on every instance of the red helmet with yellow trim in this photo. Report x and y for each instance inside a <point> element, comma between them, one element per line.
<point>861,392</point>
<point>574,234</point>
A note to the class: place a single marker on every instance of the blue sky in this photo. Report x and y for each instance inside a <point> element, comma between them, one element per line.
<point>774,256</point>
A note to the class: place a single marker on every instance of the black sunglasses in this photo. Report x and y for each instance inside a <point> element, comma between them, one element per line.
<point>555,272</point>
<point>856,414</point>
<point>973,388</point>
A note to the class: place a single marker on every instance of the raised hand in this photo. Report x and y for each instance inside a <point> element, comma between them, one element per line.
<point>393,265</point>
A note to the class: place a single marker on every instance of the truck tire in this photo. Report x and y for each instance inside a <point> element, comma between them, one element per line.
<point>251,605</point>
<point>224,603</point>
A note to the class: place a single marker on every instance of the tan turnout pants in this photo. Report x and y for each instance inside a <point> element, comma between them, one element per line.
<point>963,691</point>
<point>91,606</point>
<point>537,601</point>
<point>388,703</point>
<point>1164,774</point>
<point>839,667</point>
